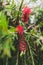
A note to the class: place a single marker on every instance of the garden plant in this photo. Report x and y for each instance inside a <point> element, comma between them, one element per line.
<point>21,40</point>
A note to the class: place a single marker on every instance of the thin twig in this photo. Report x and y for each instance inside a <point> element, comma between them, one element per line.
<point>31,53</point>
<point>33,26</point>
<point>30,26</point>
<point>25,59</point>
<point>17,59</point>
<point>17,18</point>
<point>7,61</point>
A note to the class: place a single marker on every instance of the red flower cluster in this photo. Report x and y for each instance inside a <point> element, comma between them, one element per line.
<point>26,10</point>
<point>19,29</point>
<point>22,43</point>
<point>22,46</point>
<point>25,13</point>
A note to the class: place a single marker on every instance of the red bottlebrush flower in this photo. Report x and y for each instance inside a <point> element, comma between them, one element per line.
<point>25,13</point>
<point>26,10</point>
<point>19,29</point>
<point>25,18</point>
<point>22,46</point>
<point>22,38</point>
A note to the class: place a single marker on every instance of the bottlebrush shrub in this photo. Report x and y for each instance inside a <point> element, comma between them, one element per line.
<point>20,41</point>
<point>25,14</point>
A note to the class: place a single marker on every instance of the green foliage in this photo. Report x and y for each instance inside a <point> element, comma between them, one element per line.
<point>9,38</point>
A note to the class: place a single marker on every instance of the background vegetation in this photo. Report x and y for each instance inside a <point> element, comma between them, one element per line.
<point>10,18</point>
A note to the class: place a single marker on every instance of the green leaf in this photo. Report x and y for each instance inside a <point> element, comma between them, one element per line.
<point>41,48</point>
<point>13,48</point>
<point>38,42</point>
<point>3,22</point>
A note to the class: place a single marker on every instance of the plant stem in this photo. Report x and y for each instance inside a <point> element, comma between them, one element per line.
<point>31,54</point>
<point>7,61</point>
<point>21,4</point>
<point>25,60</point>
<point>17,18</point>
<point>17,58</point>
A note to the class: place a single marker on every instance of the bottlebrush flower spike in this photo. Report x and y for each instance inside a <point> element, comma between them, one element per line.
<point>25,13</point>
<point>22,46</point>
<point>19,29</point>
<point>22,38</point>
<point>26,10</point>
<point>25,18</point>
